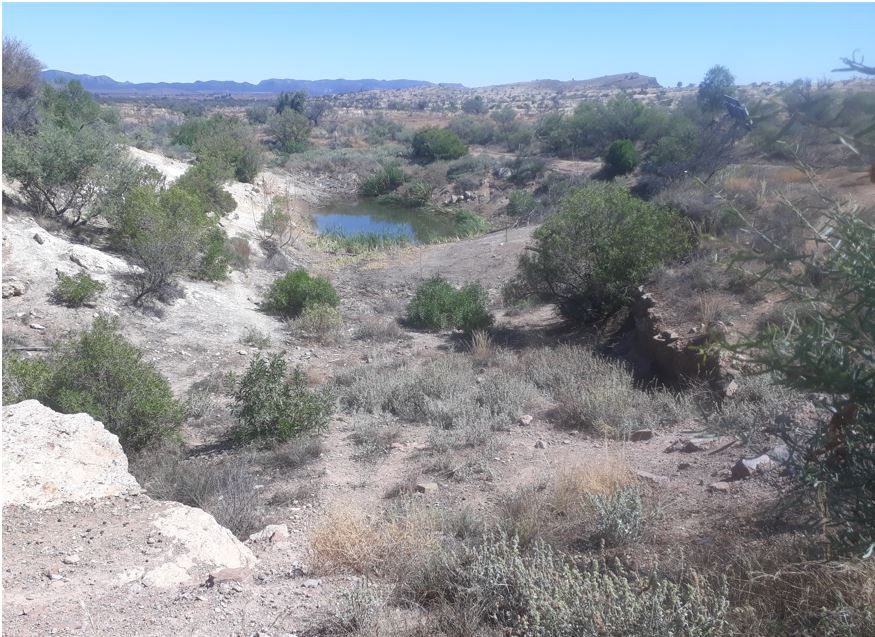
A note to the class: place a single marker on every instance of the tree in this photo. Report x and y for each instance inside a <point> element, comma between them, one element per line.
<point>474,105</point>
<point>593,254</point>
<point>296,101</point>
<point>317,110</point>
<point>717,83</point>
<point>290,130</point>
<point>621,158</point>
<point>21,85</point>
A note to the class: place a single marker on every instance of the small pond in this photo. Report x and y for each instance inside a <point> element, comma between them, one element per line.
<point>370,217</point>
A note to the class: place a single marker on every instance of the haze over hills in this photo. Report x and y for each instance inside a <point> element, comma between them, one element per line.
<point>103,84</point>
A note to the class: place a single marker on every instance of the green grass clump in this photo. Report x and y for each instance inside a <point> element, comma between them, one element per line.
<point>77,290</point>
<point>469,224</point>
<point>438,305</point>
<point>290,294</point>
<point>362,243</point>
<point>271,405</point>
<point>390,177</point>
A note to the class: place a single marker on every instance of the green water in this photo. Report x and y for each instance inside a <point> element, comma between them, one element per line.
<point>372,218</point>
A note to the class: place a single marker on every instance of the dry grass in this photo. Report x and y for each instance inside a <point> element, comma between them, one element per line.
<point>380,330</point>
<point>481,347</point>
<point>348,540</point>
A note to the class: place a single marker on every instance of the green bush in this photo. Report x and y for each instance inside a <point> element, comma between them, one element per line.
<point>205,180</point>
<point>226,140</point>
<point>473,130</point>
<point>271,405</point>
<point>430,144</point>
<point>78,290</point>
<point>437,305</point>
<point>411,195</point>
<point>591,256</point>
<point>290,130</point>
<point>621,158</point>
<point>319,320</point>
<point>390,177</point>
<point>469,224</point>
<point>520,202</point>
<point>217,257</point>
<point>474,105</point>
<point>290,294</point>
<point>100,373</point>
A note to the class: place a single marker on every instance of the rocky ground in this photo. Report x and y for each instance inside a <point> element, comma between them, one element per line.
<point>114,563</point>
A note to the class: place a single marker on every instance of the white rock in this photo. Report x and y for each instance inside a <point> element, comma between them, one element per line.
<point>51,458</point>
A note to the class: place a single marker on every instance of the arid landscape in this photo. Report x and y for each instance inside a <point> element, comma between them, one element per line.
<point>548,358</point>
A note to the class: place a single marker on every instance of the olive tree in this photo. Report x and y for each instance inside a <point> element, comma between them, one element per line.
<point>718,82</point>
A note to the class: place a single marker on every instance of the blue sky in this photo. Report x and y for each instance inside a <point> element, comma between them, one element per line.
<point>475,44</point>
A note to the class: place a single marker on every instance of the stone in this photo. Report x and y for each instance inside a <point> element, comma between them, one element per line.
<point>684,465</point>
<point>38,327</point>
<point>779,454</point>
<point>39,238</point>
<point>274,533</point>
<point>222,575</point>
<point>640,435</point>
<point>746,467</point>
<point>166,575</point>
<point>426,487</point>
<point>51,458</point>
<point>70,559</point>
<point>651,477</point>
<point>525,420</point>
<point>540,444</point>
<point>13,287</point>
<point>720,487</point>
<point>53,572</point>
<point>311,583</point>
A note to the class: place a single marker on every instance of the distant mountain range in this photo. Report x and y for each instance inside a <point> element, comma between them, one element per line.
<point>102,84</point>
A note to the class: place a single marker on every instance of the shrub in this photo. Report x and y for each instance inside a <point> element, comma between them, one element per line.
<point>539,594</point>
<point>520,202</point>
<point>290,130</point>
<point>473,130</point>
<point>591,256</point>
<point>226,140</point>
<point>77,290</point>
<point>430,144</point>
<point>474,105</point>
<point>619,516</point>
<point>258,113</point>
<point>379,330</point>
<point>411,195</point>
<point>21,85</point>
<point>437,305</point>
<point>290,294</point>
<point>270,405</point>
<point>216,258</point>
<point>469,224</point>
<point>100,373</point>
<point>621,158</point>
<point>390,177</point>
<point>204,180</point>
<point>319,320</point>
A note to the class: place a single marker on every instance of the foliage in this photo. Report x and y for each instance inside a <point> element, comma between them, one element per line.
<point>290,294</point>
<point>473,130</point>
<point>621,158</point>
<point>63,162</point>
<point>258,113</point>
<point>390,177</point>
<point>619,516</point>
<point>291,101</point>
<point>205,180</point>
<point>226,140</point>
<point>77,290</point>
<point>469,224</point>
<point>829,348</point>
<point>217,256</point>
<point>591,256</point>
<point>290,130</point>
<point>437,305</point>
<point>100,373</point>
<point>474,105</point>
<point>410,195</point>
<point>524,170</point>
<point>318,319</point>
<point>21,85</point>
<point>538,593</point>
<point>430,144</point>
<point>24,378</point>
<point>520,202</point>
<point>362,242</point>
<point>271,405</point>
<point>718,81</point>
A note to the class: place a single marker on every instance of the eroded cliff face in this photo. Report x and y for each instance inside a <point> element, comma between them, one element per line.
<point>657,352</point>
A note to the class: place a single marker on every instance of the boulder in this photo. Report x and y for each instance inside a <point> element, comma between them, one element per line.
<point>746,467</point>
<point>13,287</point>
<point>51,458</point>
<point>640,435</point>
